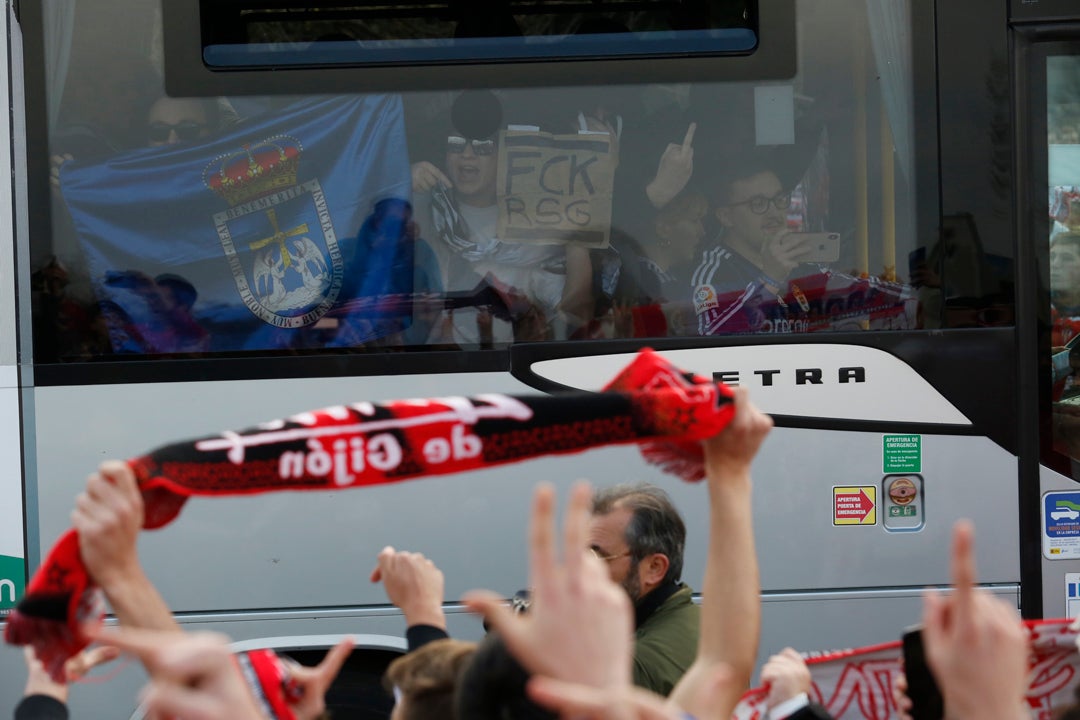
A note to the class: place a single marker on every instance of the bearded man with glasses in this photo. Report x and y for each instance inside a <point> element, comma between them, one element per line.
<point>638,533</point>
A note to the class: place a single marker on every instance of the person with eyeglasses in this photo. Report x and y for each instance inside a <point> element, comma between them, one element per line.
<point>547,288</point>
<point>751,266</point>
<point>759,276</point>
<point>638,533</point>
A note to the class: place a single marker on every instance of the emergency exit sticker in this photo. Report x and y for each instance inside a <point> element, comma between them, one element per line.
<point>12,583</point>
<point>901,454</point>
<point>855,505</point>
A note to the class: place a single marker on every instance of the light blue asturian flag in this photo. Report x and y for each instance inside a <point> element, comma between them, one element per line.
<point>290,227</point>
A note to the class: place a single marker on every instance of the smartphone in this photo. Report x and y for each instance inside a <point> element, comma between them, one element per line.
<point>823,247</point>
<point>927,703</point>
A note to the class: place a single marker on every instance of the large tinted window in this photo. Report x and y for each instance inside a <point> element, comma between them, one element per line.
<point>1063,154</point>
<point>417,220</point>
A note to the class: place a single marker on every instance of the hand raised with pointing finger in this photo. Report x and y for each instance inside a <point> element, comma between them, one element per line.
<point>674,171</point>
<point>975,644</point>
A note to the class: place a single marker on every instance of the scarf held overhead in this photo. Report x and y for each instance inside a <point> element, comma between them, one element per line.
<point>650,402</point>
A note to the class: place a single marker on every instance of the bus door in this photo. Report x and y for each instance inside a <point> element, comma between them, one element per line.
<point>1048,116</point>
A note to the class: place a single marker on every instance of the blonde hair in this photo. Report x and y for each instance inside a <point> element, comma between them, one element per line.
<point>427,678</point>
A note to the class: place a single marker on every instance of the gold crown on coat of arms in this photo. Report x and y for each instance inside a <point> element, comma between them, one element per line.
<point>256,170</point>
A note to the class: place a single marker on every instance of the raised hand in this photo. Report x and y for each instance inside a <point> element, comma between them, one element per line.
<point>674,171</point>
<point>426,176</point>
<point>734,448</point>
<point>975,644</point>
<point>786,676</point>
<point>413,584</point>
<point>580,626</point>
<point>108,516</point>
<point>782,253</point>
<point>313,682</point>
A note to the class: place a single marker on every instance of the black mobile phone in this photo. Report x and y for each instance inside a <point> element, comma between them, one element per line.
<point>926,700</point>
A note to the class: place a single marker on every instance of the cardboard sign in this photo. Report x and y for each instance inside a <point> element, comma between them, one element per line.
<point>555,189</point>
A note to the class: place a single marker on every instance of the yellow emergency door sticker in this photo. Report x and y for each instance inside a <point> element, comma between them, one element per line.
<point>855,505</point>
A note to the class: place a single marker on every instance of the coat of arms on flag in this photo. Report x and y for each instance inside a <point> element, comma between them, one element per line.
<point>263,225</point>
<point>294,270</point>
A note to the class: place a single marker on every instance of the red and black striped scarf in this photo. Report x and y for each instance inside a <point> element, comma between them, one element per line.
<point>650,402</point>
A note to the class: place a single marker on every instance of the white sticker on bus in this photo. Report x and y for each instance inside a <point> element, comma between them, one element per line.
<point>843,382</point>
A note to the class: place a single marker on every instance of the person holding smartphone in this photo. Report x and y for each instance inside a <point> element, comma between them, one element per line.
<point>749,281</point>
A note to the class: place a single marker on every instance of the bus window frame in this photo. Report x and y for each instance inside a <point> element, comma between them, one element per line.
<point>1036,44</point>
<point>775,58</point>
<point>1043,10</point>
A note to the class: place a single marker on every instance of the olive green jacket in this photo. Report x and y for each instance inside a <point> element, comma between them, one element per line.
<point>666,641</point>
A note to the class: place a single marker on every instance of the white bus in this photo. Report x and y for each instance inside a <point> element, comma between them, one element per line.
<point>224,212</point>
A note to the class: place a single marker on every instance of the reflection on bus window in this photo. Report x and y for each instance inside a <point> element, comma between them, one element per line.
<point>1065,349</point>
<point>959,284</point>
<point>545,286</point>
<point>1063,140</point>
<point>763,277</point>
<point>472,220</point>
<point>266,222</point>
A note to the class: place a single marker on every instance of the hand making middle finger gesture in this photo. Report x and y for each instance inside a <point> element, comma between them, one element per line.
<point>674,171</point>
<point>975,644</point>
